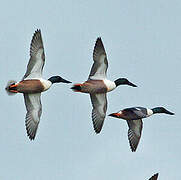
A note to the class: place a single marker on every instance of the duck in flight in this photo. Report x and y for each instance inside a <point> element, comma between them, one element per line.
<point>98,85</point>
<point>134,116</point>
<point>33,84</point>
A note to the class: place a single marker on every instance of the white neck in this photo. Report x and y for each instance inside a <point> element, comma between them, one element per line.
<point>149,112</point>
<point>109,84</point>
<point>46,83</point>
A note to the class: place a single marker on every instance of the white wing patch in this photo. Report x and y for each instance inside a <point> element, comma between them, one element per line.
<point>137,108</point>
<point>36,71</point>
<point>38,66</point>
<point>101,68</point>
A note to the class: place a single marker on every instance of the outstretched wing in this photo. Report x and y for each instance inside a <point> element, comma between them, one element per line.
<point>134,132</point>
<point>34,110</point>
<point>37,57</point>
<point>154,177</point>
<point>99,103</point>
<point>99,68</point>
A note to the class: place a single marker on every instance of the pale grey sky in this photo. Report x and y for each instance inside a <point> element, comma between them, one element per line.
<point>142,41</point>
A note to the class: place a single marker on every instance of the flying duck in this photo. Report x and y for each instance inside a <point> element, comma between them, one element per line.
<point>134,116</point>
<point>33,84</point>
<point>154,177</point>
<point>98,85</point>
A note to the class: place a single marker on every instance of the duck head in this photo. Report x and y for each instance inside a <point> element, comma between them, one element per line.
<point>161,110</point>
<point>124,81</point>
<point>58,79</point>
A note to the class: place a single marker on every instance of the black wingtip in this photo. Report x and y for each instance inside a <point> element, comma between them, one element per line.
<point>37,31</point>
<point>97,131</point>
<point>99,38</point>
<point>133,149</point>
<point>154,177</point>
<point>31,138</point>
<point>99,41</point>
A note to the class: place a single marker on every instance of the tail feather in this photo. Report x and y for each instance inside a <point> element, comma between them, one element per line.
<point>76,87</point>
<point>10,82</point>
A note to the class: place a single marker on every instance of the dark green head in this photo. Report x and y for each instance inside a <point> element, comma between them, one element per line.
<point>57,79</point>
<point>161,110</point>
<point>124,81</point>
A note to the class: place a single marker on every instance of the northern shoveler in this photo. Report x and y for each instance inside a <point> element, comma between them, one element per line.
<point>134,116</point>
<point>33,84</point>
<point>98,85</point>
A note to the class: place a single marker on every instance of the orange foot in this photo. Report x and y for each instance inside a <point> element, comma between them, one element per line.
<point>77,84</point>
<point>14,91</point>
<point>12,88</point>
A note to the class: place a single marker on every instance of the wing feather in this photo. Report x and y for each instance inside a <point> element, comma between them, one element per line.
<point>135,112</point>
<point>34,110</point>
<point>99,68</point>
<point>99,103</point>
<point>134,132</point>
<point>37,57</point>
<point>154,177</point>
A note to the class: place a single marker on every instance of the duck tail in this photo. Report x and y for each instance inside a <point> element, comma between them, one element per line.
<point>76,87</point>
<point>10,90</point>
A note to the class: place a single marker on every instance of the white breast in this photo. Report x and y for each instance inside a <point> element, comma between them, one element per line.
<point>109,84</point>
<point>149,112</point>
<point>46,83</point>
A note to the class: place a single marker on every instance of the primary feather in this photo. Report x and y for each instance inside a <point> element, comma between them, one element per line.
<point>99,103</point>
<point>99,68</point>
<point>34,110</point>
<point>37,57</point>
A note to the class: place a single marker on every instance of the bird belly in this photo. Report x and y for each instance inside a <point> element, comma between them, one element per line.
<point>93,86</point>
<point>30,86</point>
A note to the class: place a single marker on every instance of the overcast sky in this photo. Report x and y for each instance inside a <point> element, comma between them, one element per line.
<point>143,43</point>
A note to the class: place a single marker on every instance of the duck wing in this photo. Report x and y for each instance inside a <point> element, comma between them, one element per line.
<point>134,132</point>
<point>99,103</point>
<point>154,177</point>
<point>37,57</point>
<point>34,110</point>
<point>99,68</point>
<point>135,112</point>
